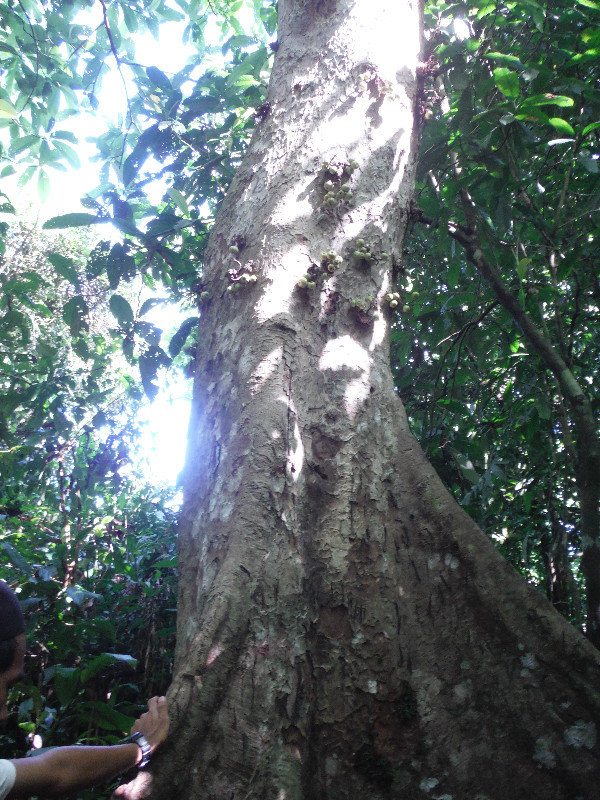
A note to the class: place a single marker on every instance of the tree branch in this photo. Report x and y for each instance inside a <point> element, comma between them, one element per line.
<point>37,56</point>
<point>115,53</point>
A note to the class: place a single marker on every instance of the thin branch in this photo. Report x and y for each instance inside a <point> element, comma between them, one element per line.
<point>83,43</point>
<point>115,53</point>
<point>37,57</point>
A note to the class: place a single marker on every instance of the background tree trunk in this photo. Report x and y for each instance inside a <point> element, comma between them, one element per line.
<point>345,630</point>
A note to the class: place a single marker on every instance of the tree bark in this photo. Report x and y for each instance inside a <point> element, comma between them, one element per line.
<point>344,629</point>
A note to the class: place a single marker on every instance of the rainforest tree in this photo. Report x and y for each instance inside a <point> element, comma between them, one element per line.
<point>509,421</point>
<point>344,627</point>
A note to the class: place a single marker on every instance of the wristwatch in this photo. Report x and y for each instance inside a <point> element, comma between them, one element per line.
<point>143,744</point>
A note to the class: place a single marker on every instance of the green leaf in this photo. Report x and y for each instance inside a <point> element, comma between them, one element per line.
<point>522,265</point>
<point>15,558</point>
<point>237,42</point>
<point>76,220</point>
<point>561,125</point>
<point>18,145</point>
<point>159,79</point>
<point>590,55</point>
<point>130,19</point>
<point>43,185</point>
<point>452,405</point>
<point>121,309</point>
<point>507,81</point>
<point>244,81</point>
<point>69,153</point>
<point>66,135</point>
<point>66,681</point>
<point>148,374</point>
<point>47,156</point>
<point>539,19</point>
<point>81,348</point>
<point>15,319</point>
<point>110,719</point>
<point>170,14</point>
<point>548,99</point>
<point>202,104</point>
<point>590,128</point>
<point>453,274</point>
<point>26,282</point>
<point>179,338</point>
<point>502,57</point>
<point>7,110</point>
<point>79,595</point>
<point>148,332</point>
<point>589,4</point>
<point>543,408</point>
<point>134,161</point>
<point>150,303</point>
<point>149,363</point>
<point>485,10</point>
<point>249,66</point>
<point>507,119</point>
<point>101,662</point>
<point>65,268</point>
<point>179,200</point>
<point>75,314</point>
<point>26,176</point>
<point>533,115</point>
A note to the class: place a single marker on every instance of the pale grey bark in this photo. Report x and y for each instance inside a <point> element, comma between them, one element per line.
<point>345,631</point>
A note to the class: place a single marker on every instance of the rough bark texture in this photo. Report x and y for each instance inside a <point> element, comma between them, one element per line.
<point>345,630</point>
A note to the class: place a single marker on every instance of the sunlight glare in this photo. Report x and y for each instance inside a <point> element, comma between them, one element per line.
<point>283,282</point>
<point>163,439</point>
<point>344,353</point>
<point>356,393</point>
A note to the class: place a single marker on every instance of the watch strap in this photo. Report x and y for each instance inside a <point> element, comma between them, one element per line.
<point>144,745</point>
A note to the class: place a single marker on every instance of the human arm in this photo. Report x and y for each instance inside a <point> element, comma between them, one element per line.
<point>63,770</point>
<point>66,769</point>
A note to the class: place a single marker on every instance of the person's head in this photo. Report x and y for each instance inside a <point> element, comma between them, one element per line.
<point>12,644</point>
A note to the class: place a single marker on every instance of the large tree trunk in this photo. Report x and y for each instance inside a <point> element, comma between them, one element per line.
<point>345,630</point>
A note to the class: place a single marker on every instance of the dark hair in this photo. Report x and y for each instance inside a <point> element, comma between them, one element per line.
<point>7,653</point>
<point>12,623</point>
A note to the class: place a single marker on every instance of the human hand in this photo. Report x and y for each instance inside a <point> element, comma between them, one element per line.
<point>154,724</point>
<point>136,789</point>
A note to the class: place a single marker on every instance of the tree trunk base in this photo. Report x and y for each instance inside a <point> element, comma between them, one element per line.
<point>424,667</point>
